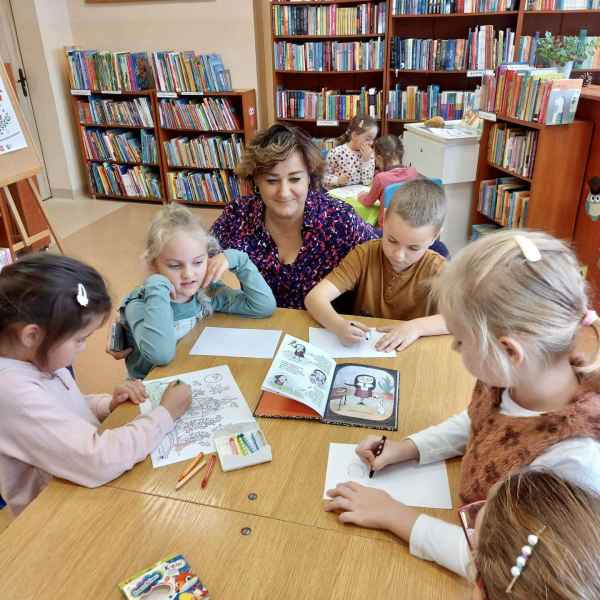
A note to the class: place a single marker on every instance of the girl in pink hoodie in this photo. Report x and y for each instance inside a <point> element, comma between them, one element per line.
<point>49,305</point>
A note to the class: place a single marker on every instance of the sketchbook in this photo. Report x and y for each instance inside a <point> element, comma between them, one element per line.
<point>304,382</point>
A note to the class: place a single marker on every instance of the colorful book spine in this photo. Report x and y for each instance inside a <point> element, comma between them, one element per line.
<point>327,105</point>
<point>204,152</point>
<point>412,104</point>
<point>133,113</point>
<point>363,19</point>
<point>187,71</point>
<point>216,187</point>
<point>330,56</point>
<point>119,180</point>
<point>410,54</point>
<point>504,200</point>
<point>449,7</point>
<point>102,70</point>
<point>512,148</point>
<point>533,5</point>
<point>120,146</point>
<point>205,115</point>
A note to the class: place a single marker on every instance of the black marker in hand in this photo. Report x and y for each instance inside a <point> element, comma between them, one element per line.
<point>378,450</point>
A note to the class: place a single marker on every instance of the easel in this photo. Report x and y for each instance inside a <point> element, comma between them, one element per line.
<point>17,166</point>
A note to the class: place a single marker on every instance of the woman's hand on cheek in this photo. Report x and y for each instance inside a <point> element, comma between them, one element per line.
<point>216,266</point>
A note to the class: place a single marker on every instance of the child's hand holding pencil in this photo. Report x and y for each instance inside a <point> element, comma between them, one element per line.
<point>391,452</point>
<point>177,398</point>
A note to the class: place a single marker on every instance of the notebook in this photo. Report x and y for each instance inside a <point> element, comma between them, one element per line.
<point>304,382</point>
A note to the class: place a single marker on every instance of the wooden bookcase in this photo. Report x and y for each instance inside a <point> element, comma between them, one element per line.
<point>243,101</point>
<point>244,105</point>
<point>82,127</point>
<point>555,185</point>
<point>435,26</point>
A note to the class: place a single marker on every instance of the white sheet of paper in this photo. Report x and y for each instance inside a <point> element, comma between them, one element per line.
<point>409,483</point>
<point>216,402</point>
<point>348,192</point>
<point>328,342</point>
<point>11,135</point>
<point>231,341</point>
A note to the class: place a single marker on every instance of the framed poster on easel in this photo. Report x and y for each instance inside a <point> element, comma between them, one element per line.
<point>19,161</point>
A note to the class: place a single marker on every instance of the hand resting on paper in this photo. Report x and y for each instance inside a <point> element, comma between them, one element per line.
<point>399,337</point>
<point>393,452</point>
<point>132,390</point>
<point>371,508</point>
<point>351,332</point>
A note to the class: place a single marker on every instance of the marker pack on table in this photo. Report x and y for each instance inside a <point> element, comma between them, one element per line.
<point>172,576</point>
<point>241,445</point>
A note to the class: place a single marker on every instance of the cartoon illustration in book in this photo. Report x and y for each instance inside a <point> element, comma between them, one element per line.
<point>360,392</point>
<point>280,380</point>
<point>318,378</point>
<point>299,349</point>
<point>592,202</point>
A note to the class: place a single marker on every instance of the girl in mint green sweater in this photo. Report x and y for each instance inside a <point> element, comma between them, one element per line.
<point>183,287</point>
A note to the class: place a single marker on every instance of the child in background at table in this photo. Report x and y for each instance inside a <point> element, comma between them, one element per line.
<point>389,153</point>
<point>564,561</point>
<point>49,306</point>
<point>183,287</point>
<point>390,276</point>
<point>352,161</point>
<point>515,302</point>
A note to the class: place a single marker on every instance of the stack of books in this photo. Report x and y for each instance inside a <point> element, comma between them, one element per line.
<point>120,146</point>
<point>134,113</point>
<point>512,148</point>
<point>187,71</point>
<point>119,180</point>
<point>527,50</point>
<point>413,104</point>
<point>489,48</point>
<point>327,105</point>
<point>329,56</point>
<point>207,114</point>
<point>102,70</point>
<point>449,7</point>
<point>537,95</point>
<point>504,200</point>
<point>219,186</point>
<point>329,20</point>
<point>204,152</point>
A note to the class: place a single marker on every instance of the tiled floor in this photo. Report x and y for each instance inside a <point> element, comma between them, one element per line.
<point>109,236</point>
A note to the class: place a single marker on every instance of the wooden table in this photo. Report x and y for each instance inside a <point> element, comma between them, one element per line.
<point>295,550</point>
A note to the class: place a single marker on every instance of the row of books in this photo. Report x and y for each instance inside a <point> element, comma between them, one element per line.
<point>204,152</point>
<point>449,7</point>
<point>330,20</point>
<point>120,146</point>
<point>134,113</point>
<point>413,104</point>
<point>328,105</point>
<point>538,95</point>
<point>109,71</point>
<point>189,72</point>
<point>512,148</point>
<point>205,114</point>
<point>118,180</point>
<point>563,4</point>
<point>504,200</point>
<point>484,49</point>
<point>220,186</point>
<point>330,56</point>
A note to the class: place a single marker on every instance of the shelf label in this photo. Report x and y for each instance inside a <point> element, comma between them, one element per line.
<point>480,73</point>
<point>111,92</point>
<point>200,93</point>
<point>81,92</point>
<point>488,116</point>
<point>166,94</point>
<point>327,123</point>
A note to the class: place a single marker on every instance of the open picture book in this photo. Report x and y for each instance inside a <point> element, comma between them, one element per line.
<point>306,383</point>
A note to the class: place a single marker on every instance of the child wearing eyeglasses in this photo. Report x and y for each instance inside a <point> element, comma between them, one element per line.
<point>515,302</point>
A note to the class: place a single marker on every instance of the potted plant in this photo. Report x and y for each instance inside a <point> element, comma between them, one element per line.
<point>563,51</point>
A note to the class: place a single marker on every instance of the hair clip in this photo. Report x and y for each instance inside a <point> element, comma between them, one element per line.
<point>589,317</point>
<point>528,248</point>
<point>82,297</point>
<point>526,551</point>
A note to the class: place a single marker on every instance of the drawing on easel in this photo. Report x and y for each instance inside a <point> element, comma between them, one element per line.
<point>12,137</point>
<point>216,402</point>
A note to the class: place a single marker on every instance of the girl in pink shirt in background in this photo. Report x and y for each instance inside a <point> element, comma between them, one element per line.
<point>389,153</point>
<point>49,306</point>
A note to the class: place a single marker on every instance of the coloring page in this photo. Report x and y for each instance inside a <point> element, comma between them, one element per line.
<point>11,135</point>
<point>216,402</point>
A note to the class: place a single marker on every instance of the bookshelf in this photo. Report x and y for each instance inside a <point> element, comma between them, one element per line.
<point>555,181</point>
<point>193,161</point>
<point>427,25</point>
